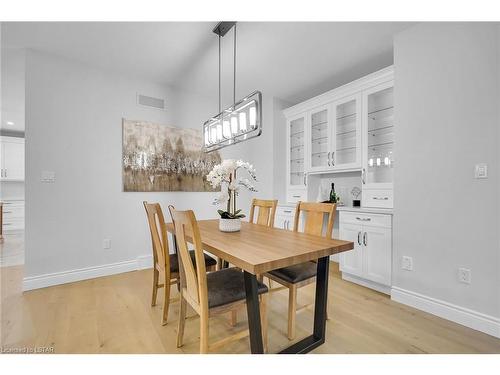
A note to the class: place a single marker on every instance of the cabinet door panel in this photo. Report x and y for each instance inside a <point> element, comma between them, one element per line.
<point>13,160</point>
<point>319,135</point>
<point>351,261</point>
<point>377,260</point>
<point>296,151</point>
<point>347,133</point>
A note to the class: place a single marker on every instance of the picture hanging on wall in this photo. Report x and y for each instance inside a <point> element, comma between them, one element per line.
<point>164,158</point>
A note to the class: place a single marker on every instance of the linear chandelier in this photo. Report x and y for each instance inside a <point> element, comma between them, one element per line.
<point>239,122</point>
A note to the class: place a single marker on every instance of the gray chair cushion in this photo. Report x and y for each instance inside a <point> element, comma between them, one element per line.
<point>227,286</point>
<point>296,273</point>
<point>174,261</point>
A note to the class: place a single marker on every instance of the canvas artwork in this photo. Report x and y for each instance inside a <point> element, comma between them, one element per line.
<point>165,158</point>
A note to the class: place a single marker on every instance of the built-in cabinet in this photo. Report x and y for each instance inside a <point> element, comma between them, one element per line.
<point>348,129</point>
<point>370,262</point>
<point>11,159</point>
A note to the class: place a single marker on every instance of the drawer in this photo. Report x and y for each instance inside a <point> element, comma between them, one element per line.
<point>375,220</point>
<point>285,211</point>
<point>294,196</point>
<point>378,198</point>
<point>13,212</point>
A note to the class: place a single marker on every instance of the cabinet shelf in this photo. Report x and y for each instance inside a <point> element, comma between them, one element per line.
<point>347,132</point>
<point>319,124</point>
<point>298,146</point>
<point>376,145</point>
<point>296,133</point>
<point>346,149</point>
<point>380,110</point>
<point>346,116</point>
<point>381,128</point>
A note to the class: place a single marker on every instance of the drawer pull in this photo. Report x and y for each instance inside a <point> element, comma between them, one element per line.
<point>7,212</point>
<point>296,196</point>
<point>363,218</point>
<point>287,211</point>
<point>381,198</point>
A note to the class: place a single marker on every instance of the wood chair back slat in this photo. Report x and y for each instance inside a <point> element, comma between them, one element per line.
<point>314,214</point>
<point>195,278</point>
<point>267,211</point>
<point>158,232</point>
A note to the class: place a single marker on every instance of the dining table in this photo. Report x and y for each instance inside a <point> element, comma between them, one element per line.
<point>257,249</point>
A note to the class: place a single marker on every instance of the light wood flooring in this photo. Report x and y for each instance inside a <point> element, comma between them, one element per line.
<point>113,315</point>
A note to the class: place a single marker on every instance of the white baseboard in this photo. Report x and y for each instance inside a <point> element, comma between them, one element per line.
<point>57,278</point>
<point>469,318</point>
<point>366,283</point>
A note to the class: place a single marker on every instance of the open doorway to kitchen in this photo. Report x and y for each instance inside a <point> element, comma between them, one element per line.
<point>12,156</point>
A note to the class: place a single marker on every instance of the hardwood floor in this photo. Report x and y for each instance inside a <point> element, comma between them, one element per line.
<point>113,315</point>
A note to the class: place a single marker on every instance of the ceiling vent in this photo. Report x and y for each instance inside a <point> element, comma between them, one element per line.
<point>151,102</point>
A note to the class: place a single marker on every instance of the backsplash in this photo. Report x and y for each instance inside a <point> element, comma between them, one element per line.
<point>344,183</point>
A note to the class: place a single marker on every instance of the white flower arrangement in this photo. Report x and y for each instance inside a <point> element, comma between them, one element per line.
<point>224,175</point>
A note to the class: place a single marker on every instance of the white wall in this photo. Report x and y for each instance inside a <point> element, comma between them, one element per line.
<point>447,113</point>
<point>73,127</point>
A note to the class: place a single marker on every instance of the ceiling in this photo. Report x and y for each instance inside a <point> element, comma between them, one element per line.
<point>292,60</point>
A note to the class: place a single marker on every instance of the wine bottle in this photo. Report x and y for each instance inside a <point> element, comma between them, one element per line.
<point>333,196</point>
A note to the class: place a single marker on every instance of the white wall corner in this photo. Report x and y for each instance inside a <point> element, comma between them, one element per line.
<point>57,278</point>
<point>466,317</point>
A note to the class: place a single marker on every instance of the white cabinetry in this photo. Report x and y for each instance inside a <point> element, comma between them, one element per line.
<point>12,159</point>
<point>370,262</point>
<point>13,215</point>
<point>348,129</point>
<point>284,217</point>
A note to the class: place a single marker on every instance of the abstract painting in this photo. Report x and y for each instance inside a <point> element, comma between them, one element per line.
<point>164,158</point>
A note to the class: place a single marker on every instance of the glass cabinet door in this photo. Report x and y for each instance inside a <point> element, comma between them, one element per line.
<point>379,158</point>
<point>296,151</point>
<point>347,141</point>
<point>320,131</point>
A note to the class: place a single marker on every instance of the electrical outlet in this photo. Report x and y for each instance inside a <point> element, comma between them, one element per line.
<point>106,243</point>
<point>481,171</point>
<point>464,275</point>
<point>407,263</point>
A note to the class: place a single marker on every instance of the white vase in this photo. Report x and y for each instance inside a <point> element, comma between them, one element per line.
<point>229,225</point>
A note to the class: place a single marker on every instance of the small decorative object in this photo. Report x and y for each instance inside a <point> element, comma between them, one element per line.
<point>224,175</point>
<point>356,191</point>
<point>333,195</point>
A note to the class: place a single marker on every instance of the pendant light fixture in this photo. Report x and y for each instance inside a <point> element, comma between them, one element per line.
<point>239,122</point>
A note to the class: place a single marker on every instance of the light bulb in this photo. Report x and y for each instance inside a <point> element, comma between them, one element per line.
<point>234,125</point>
<point>370,162</point>
<point>219,131</point>
<point>378,162</point>
<point>386,161</point>
<point>243,121</point>
<point>206,136</point>
<point>226,130</point>
<point>213,134</point>
<point>252,116</point>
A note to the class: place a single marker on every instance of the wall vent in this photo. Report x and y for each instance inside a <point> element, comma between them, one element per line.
<point>151,102</point>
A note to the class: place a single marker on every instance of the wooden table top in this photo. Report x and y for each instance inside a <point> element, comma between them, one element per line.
<point>258,249</point>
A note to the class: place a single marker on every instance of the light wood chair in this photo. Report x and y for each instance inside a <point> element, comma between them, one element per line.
<point>300,275</point>
<point>166,265</point>
<point>267,211</point>
<point>209,294</point>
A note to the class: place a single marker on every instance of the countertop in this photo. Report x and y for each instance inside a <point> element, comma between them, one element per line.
<point>386,211</point>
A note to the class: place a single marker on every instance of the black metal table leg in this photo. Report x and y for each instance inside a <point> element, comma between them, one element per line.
<point>319,330</point>
<point>253,312</point>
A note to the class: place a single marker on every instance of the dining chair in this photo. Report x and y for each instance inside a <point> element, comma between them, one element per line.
<point>166,265</point>
<point>267,211</point>
<point>209,294</point>
<point>299,275</point>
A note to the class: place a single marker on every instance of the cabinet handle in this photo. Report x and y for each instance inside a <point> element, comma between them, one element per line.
<point>328,158</point>
<point>7,212</point>
<point>287,211</point>
<point>359,238</point>
<point>304,179</point>
<point>287,224</point>
<point>333,162</point>
<point>363,218</point>
<point>363,172</point>
<point>365,239</point>
<point>296,196</point>
<point>381,198</point>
